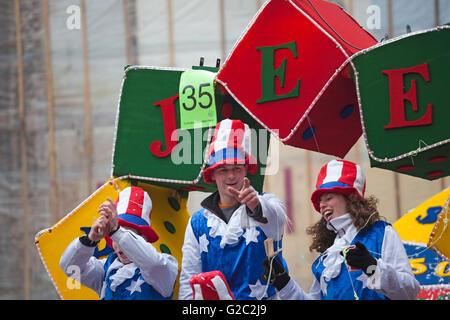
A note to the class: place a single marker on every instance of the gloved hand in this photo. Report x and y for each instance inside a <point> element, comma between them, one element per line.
<point>279,277</point>
<point>360,258</point>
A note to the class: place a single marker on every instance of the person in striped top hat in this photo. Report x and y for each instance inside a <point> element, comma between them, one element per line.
<point>361,256</point>
<point>136,270</point>
<point>228,233</point>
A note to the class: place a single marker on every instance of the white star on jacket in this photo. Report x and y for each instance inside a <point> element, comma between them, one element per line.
<point>250,235</point>
<point>203,242</point>
<point>135,286</point>
<point>258,290</point>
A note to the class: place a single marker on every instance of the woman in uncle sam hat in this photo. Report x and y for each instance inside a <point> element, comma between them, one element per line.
<point>228,233</point>
<point>361,256</point>
<point>136,271</point>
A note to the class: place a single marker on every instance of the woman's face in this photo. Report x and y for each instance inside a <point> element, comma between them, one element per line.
<point>332,205</point>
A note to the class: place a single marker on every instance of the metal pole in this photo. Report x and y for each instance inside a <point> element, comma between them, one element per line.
<point>436,13</point>
<point>390,19</point>
<point>288,197</point>
<point>223,36</point>
<point>127,31</point>
<point>170,31</point>
<point>54,188</point>
<point>87,103</point>
<point>398,203</point>
<point>309,184</point>
<point>23,151</point>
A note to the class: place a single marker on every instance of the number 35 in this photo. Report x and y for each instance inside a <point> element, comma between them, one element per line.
<point>201,94</point>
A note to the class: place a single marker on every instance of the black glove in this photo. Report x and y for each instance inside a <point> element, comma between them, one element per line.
<point>279,277</point>
<point>360,258</point>
<point>88,242</point>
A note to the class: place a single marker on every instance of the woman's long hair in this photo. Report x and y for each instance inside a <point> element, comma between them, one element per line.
<point>364,214</point>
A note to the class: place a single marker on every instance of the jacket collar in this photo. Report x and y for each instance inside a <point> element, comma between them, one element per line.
<point>211,203</point>
<point>340,224</point>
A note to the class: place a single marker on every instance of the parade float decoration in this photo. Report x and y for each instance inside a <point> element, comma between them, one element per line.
<point>424,243</point>
<point>166,119</point>
<point>169,218</point>
<point>439,239</point>
<point>403,98</point>
<point>160,148</point>
<point>297,72</point>
<point>298,84</point>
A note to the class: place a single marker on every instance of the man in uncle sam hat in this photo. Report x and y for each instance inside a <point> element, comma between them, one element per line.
<point>361,256</point>
<point>136,271</point>
<point>228,233</point>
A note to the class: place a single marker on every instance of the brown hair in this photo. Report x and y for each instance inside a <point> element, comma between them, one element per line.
<point>361,210</point>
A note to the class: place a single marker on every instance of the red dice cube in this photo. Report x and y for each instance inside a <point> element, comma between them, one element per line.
<point>289,70</point>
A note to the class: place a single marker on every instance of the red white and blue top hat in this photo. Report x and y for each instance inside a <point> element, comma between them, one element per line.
<point>134,208</point>
<point>231,144</point>
<point>339,176</point>
<point>210,285</point>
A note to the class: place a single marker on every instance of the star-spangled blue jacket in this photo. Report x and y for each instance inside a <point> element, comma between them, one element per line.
<point>235,248</point>
<point>393,278</point>
<point>149,275</point>
<point>340,288</point>
<point>134,288</point>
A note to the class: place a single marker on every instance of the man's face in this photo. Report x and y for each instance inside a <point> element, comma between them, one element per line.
<point>229,175</point>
